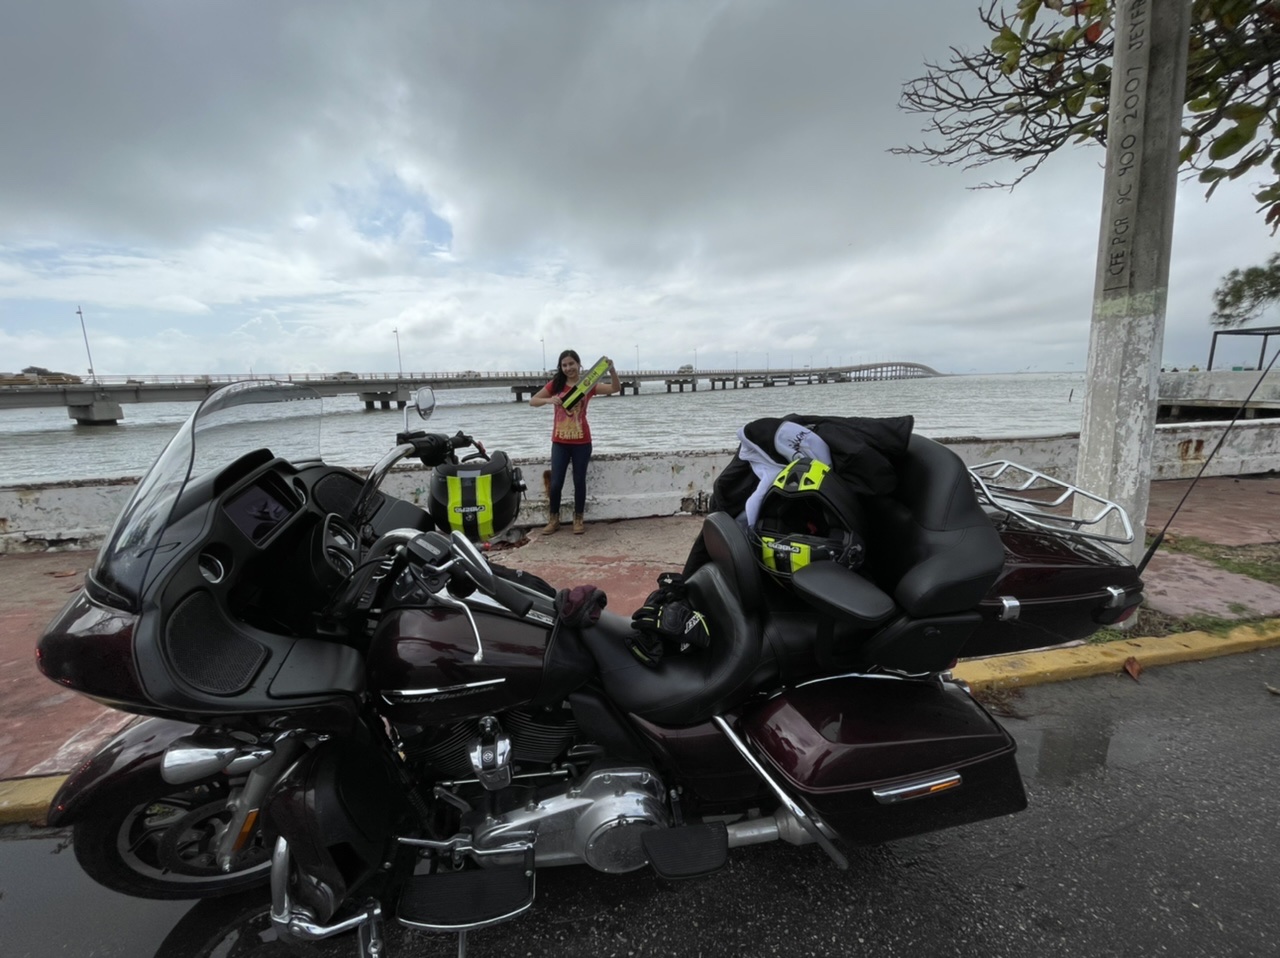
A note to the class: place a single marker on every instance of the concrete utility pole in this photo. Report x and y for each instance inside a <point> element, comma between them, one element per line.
<point>1126,338</point>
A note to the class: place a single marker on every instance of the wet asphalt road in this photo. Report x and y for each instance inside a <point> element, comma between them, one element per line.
<point>1153,829</point>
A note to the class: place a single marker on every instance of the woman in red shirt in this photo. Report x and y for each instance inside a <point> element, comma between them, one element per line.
<point>570,435</point>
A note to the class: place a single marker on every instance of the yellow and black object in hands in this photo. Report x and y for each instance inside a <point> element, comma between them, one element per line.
<point>588,380</point>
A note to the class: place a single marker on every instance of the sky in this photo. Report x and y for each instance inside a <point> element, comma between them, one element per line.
<point>441,186</point>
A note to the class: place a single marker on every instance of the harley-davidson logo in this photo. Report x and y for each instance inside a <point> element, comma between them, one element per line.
<point>421,696</point>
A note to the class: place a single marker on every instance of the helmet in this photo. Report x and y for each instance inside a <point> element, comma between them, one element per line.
<point>807,515</point>
<point>478,498</point>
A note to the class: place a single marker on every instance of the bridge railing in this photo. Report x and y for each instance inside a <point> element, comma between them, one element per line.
<point>451,376</point>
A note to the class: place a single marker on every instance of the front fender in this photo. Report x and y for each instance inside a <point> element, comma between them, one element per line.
<point>121,765</point>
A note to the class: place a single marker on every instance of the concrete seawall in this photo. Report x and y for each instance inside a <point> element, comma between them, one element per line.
<point>77,515</point>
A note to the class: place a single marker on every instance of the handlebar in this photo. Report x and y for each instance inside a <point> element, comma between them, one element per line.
<point>433,448</point>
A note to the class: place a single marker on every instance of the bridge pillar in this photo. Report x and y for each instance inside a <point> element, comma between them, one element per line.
<point>386,397</point>
<point>96,412</point>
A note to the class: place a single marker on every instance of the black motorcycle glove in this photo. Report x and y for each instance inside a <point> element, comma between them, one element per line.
<point>646,647</point>
<point>667,616</point>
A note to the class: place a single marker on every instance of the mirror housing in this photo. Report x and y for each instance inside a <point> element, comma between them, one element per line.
<point>423,403</point>
<point>424,400</point>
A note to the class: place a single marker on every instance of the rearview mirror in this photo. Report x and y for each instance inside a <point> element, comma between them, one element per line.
<point>424,404</point>
<point>424,400</point>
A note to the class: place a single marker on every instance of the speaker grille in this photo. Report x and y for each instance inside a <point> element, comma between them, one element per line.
<point>207,650</point>
<point>338,493</point>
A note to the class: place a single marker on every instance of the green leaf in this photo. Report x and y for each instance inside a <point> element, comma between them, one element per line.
<point>1006,41</point>
<point>1027,10</point>
<point>1211,175</point>
<point>1245,113</point>
<point>1269,195</point>
<point>1074,103</point>
<point>1202,104</point>
<point>1010,63</point>
<point>1232,142</point>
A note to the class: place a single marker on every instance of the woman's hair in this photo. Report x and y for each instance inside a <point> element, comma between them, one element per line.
<point>559,379</point>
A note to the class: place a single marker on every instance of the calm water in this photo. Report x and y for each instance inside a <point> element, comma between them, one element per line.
<point>44,445</point>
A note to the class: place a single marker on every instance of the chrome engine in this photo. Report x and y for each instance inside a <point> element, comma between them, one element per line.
<point>597,820</point>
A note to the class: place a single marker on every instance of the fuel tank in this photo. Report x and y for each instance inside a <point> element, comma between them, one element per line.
<point>422,668</point>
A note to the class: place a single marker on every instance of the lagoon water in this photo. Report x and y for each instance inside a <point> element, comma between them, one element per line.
<point>44,445</point>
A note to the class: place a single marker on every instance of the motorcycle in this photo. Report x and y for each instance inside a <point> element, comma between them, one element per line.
<point>346,701</point>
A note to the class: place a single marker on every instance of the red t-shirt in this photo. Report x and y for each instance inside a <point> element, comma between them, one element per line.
<point>571,427</point>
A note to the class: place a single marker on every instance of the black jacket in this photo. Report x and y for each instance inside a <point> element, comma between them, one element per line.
<point>865,452</point>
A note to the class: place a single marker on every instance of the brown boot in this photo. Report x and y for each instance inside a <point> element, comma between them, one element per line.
<point>578,527</point>
<point>552,526</point>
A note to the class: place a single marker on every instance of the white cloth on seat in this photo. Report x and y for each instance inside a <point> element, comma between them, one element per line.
<point>792,441</point>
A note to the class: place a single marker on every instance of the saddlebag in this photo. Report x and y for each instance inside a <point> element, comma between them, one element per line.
<point>881,758</point>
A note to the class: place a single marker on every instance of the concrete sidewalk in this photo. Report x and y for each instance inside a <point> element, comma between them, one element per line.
<point>45,731</point>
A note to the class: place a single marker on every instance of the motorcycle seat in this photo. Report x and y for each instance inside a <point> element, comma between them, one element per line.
<point>688,689</point>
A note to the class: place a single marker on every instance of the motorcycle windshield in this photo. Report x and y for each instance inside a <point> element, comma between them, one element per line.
<point>281,417</point>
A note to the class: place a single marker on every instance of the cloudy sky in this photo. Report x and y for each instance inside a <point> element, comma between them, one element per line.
<point>285,187</point>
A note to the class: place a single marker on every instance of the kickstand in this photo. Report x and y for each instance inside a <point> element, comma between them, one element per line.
<point>462,944</point>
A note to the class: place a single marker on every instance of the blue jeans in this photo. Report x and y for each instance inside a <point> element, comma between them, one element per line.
<point>563,453</point>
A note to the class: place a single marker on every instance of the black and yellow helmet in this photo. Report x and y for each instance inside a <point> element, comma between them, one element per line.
<point>807,515</point>
<point>479,498</point>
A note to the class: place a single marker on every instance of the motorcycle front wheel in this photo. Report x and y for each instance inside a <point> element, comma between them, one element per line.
<point>164,846</point>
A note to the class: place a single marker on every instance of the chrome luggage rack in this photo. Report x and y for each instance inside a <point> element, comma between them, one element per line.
<point>1047,503</point>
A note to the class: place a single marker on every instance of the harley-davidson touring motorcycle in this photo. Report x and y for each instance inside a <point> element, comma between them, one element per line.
<point>346,701</point>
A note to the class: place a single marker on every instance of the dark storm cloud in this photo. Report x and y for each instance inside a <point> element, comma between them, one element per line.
<point>483,176</point>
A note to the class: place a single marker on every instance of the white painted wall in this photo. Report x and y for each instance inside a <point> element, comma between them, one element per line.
<point>630,486</point>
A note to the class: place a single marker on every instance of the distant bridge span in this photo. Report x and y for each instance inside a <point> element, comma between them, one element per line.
<point>98,401</point>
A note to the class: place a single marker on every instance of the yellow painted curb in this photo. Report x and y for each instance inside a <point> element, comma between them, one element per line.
<point>25,801</point>
<point>1058,665</point>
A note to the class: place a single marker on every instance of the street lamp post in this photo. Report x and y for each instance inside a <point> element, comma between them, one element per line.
<point>92,374</point>
<point>637,357</point>
<point>695,357</point>
<point>399,362</point>
<point>544,354</point>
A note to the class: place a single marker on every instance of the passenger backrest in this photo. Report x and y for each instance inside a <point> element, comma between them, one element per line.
<point>933,548</point>
<point>727,545</point>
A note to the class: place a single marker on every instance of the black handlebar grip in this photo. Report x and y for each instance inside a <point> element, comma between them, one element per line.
<point>512,597</point>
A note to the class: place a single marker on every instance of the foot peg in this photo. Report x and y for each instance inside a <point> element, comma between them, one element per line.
<point>688,851</point>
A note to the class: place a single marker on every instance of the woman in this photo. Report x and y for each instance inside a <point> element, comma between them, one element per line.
<point>570,435</point>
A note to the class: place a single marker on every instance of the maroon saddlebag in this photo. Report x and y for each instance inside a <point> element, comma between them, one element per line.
<point>884,758</point>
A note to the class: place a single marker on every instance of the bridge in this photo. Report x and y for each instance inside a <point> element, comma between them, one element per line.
<point>99,401</point>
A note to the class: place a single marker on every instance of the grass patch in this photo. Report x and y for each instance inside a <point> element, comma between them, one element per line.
<point>1153,624</point>
<point>1259,561</point>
